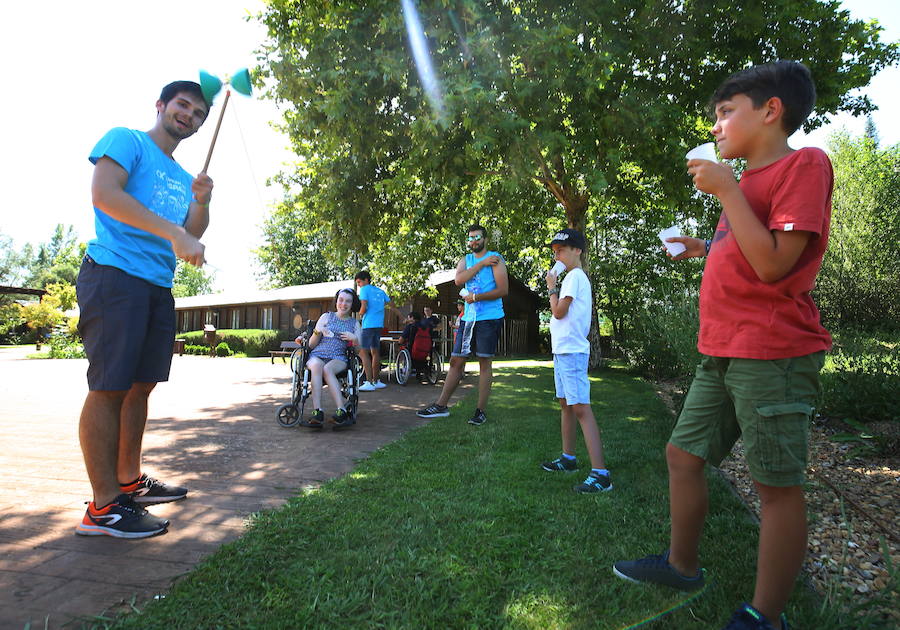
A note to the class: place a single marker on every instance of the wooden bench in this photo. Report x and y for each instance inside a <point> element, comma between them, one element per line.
<point>287,348</point>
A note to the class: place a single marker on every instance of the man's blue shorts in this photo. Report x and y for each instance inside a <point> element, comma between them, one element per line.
<point>482,340</point>
<point>571,378</point>
<point>370,339</point>
<point>127,325</point>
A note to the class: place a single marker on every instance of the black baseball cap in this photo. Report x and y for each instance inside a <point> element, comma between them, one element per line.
<point>570,237</point>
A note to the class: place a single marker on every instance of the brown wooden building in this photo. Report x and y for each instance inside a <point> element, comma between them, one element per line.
<point>288,308</point>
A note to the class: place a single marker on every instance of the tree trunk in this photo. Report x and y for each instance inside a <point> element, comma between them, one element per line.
<point>576,218</point>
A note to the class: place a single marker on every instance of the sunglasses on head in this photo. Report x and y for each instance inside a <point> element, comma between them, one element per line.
<point>474,238</point>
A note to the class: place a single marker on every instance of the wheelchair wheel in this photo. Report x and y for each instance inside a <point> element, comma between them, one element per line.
<point>351,385</point>
<point>435,367</point>
<point>288,415</point>
<point>404,366</point>
<point>299,385</point>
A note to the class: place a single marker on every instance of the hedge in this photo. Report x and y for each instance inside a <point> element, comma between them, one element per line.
<point>253,342</point>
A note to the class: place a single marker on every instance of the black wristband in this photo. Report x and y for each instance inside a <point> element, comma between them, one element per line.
<point>708,245</point>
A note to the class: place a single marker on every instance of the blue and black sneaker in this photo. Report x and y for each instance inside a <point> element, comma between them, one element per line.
<point>748,618</point>
<point>595,482</point>
<point>563,464</point>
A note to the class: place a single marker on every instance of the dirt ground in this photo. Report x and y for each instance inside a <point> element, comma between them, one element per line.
<point>212,428</point>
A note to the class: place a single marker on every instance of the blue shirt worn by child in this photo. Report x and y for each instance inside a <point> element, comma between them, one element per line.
<point>482,282</point>
<point>375,301</point>
<point>162,186</point>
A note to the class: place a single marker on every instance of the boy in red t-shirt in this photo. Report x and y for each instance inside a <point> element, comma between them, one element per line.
<point>760,335</point>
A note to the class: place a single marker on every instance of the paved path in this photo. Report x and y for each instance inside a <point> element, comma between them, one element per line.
<point>211,428</point>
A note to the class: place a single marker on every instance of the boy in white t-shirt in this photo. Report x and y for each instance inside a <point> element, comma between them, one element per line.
<point>571,307</point>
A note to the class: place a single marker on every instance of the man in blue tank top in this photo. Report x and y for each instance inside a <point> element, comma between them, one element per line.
<point>482,274</point>
<point>148,211</point>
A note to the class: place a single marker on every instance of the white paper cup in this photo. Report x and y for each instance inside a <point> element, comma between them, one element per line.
<point>705,151</point>
<point>673,248</point>
<point>558,268</point>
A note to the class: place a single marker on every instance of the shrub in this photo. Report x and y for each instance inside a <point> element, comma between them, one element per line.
<point>253,342</point>
<point>862,378</point>
<point>222,350</point>
<point>661,339</point>
<point>65,345</point>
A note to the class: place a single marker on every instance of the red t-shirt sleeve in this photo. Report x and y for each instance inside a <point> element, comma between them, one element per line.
<point>801,196</point>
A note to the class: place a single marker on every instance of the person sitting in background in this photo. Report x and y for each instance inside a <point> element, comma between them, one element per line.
<point>416,337</point>
<point>328,344</point>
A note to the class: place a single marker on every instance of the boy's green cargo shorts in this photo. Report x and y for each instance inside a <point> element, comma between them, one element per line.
<point>769,403</point>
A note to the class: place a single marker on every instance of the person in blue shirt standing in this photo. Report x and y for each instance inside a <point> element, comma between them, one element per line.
<point>482,273</point>
<point>148,211</point>
<point>374,301</point>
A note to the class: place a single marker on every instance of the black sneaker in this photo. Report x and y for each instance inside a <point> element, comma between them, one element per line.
<point>341,420</point>
<point>595,482</point>
<point>561,464</point>
<point>478,418</point>
<point>748,618</point>
<point>433,411</point>
<point>123,518</point>
<point>657,570</point>
<point>315,421</point>
<point>147,491</point>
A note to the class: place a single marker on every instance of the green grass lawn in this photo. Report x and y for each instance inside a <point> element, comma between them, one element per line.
<point>458,527</point>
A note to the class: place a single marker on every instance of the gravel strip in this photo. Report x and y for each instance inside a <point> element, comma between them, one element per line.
<point>852,506</point>
<point>852,503</point>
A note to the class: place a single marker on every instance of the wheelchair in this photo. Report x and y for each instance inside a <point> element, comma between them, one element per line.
<point>434,365</point>
<point>291,414</point>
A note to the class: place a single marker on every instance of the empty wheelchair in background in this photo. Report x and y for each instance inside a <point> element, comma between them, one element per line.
<point>292,413</point>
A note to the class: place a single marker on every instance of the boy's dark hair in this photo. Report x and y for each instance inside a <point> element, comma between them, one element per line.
<point>176,87</point>
<point>790,81</point>
<point>416,315</point>
<point>356,303</point>
<point>477,228</point>
<point>363,275</point>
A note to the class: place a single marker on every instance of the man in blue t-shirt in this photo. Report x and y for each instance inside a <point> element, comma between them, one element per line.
<point>148,211</point>
<point>374,301</point>
<point>482,274</point>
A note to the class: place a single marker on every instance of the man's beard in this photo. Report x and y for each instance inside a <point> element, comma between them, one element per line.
<point>479,249</point>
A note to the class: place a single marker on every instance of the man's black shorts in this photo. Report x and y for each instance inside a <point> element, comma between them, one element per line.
<point>127,325</point>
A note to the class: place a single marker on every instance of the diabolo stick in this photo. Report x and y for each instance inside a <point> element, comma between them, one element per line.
<point>210,85</point>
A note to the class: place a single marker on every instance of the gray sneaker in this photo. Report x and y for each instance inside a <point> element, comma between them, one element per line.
<point>433,411</point>
<point>561,464</point>
<point>657,570</point>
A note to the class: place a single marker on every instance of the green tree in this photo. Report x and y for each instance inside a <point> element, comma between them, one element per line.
<point>566,96</point>
<point>10,317</point>
<point>190,280</point>
<point>859,284</point>
<point>585,103</point>
<point>871,131</point>
<point>57,260</point>
<point>294,251</point>
<point>14,267</point>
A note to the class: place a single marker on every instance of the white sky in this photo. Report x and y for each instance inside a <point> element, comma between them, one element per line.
<point>73,70</point>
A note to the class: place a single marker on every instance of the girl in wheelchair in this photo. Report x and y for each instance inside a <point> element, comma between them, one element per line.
<point>328,357</point>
